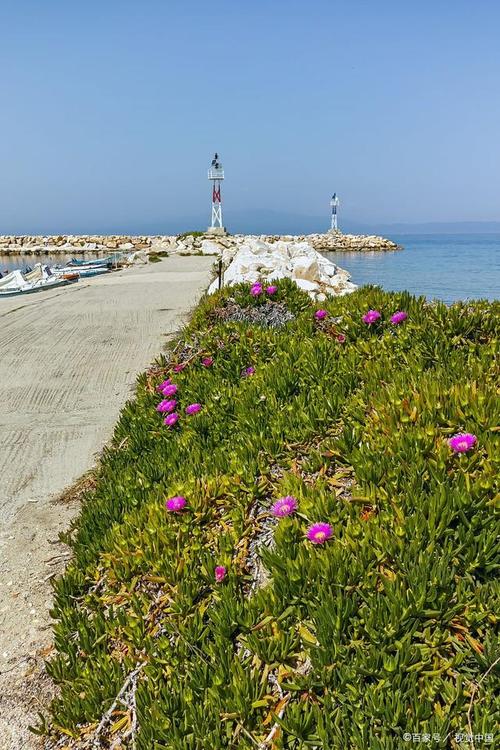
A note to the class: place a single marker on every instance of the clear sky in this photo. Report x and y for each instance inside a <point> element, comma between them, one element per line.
<point>111,110</point>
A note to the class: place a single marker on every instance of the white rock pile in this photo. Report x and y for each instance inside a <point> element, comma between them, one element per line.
<point>74,244</point>
<point>253,259</point>
<point>339,242</point>
<point>183,244</point>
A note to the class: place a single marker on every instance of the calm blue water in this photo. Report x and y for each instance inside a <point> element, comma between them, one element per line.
<point>439,266</point>
<point>10,263</point>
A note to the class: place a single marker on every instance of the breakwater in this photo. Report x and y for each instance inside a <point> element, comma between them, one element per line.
<point>38,245</point>
<point>74,244</point>
<point>338,242</point>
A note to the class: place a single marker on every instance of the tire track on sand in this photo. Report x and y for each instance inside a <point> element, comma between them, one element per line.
<point>68,362</point>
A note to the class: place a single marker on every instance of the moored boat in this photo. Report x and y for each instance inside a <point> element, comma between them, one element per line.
<point>111,261</point>
<point>93,262</point>
<point>13,280</point>
<point>80,272</point>
<point>39,279</point>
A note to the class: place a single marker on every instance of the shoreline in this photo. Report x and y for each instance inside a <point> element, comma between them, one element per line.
<point>59,406</point>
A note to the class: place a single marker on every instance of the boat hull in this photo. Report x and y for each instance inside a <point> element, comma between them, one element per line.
<point>79,272</point>
<point>33,290</point>
<point>93,263</point>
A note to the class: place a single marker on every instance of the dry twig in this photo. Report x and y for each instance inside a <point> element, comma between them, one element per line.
<point>130,685</point>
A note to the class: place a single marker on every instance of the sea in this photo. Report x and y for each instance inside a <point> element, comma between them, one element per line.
<point>23,262</point>
<point>448,267</point>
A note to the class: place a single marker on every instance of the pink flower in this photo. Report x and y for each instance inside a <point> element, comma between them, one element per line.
<point>256,289</point>
<point>171,419</point>
<point>371,317</point>
<point>398,317</point>
<point>163,385</point>
<point>320,314</point>
<point>340,338</point>
<point>193,408</point>
<point>462,442</point>
<point>165,406</point>
<point>220,573</point>
<point>179,367</point>
<point>318,533</point>
<point>249,371</point>
<point>207,361</point>
<point>169,390</point>
<point>175,504</point>
<point>285,506</point>
<point>271,289</point>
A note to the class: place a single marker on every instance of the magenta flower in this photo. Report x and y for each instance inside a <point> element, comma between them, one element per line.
<point>207,361</point>
<point>166,406</point>
<point>180,367</point>
<point>175,504</point>
<point>398,317</point>
<point>340,338</point>
<point>371,317</point>
<point>320,314</point>
<point>271,289</point>
<point>256,289</point>
<point>319,533</point>
<point>171,419</point>
<point>462,442</point>
<point>220,573</point>
<point>163,385</point>
<point>193,408</point>
<point>170,389</point>
<point>285,506</point>
<point>249,371</point>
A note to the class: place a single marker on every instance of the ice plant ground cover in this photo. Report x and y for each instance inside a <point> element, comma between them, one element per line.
<point>388,626</point>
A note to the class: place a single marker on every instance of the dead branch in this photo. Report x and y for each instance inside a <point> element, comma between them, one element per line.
<point>129,684</point>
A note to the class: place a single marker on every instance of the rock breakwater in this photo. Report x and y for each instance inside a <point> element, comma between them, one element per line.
<point>246,258</point>
<point>82,244</point>
<point>338,242</point>
<point>75,244</point>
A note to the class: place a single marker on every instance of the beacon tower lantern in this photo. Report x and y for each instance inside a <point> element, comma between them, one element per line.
<point>334,205</point>
<point>216,175</point>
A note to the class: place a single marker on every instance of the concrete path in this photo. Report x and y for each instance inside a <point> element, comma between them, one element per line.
<point>68,362</point>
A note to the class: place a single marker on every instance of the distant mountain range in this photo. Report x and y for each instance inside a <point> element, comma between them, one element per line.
<point>276,222</point>
<point>442,227</point>
<point>264,222</point>
<point>292,224</point>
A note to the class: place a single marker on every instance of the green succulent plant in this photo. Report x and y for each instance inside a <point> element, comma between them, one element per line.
<point>391,626</point>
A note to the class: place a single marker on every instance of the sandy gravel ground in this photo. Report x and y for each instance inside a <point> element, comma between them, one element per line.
<point>68,362</point>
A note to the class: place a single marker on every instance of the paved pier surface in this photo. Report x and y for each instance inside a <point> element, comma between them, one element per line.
<point>68,362</point>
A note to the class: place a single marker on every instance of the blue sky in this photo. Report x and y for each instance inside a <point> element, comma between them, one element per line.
<point>110,111</point>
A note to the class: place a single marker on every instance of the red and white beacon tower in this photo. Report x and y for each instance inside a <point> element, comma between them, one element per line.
<point>216,175</point>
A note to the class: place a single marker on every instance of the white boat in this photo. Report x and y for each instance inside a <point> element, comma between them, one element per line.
<point>37,280</point>
<point>94,262</point>
<point>13,280</point>
<point>82,272</point>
